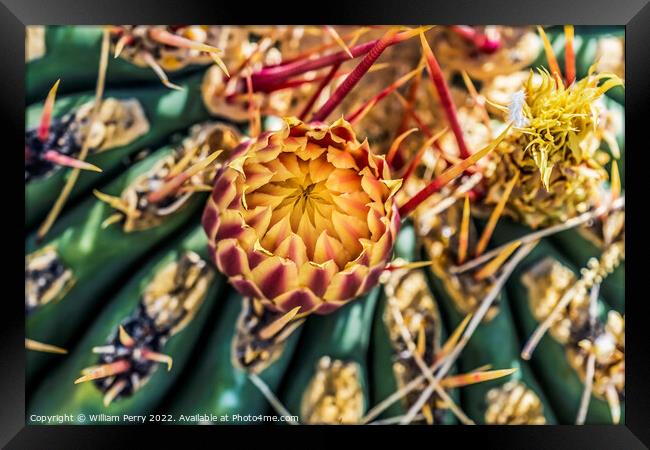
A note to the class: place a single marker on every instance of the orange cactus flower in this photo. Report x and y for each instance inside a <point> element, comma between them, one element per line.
<point>303,217</point>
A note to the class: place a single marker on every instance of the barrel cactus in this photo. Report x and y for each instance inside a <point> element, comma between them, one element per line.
<point>326,225</point>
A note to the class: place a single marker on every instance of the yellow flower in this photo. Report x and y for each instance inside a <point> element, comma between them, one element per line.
<point>554,149</point>
<point>557,122</point>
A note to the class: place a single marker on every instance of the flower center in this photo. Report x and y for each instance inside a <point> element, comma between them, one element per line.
<point>306,191</point>
<point>306,197</point>
<point>322,205</point>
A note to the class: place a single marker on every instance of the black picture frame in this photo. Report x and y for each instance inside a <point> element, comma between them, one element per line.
<point>634,14</point>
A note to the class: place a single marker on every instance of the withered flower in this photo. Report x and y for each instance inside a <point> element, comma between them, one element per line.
<point>554,149</point>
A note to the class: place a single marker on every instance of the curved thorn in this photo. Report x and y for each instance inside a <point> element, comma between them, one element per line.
<point>159,72</point>
<point>158,357</point>
<point>319,90</point>
<point>46,116</point>
<point>113,392</point>
<point>586,392</point>
<point>103,371</point>
<point>569,55</point>
<point>450,174</point>
<point>219,62</point>
<point>466,379</point>
<point>362,110</point>
<point>614,404</point>
<point>550,55</point>
<point>124,337</point>
<point>494,265</point>
<point>175,183</point>
<point>354,77</point>
<point>116,203</point>
<point>494,216</point>
<point>418,156</point>
<point>277,325</point>
<point>337,38</point>
<point>67,161</point>
<point>453,339</point>
<point>271,75</point>
<point>440,83</point>
<point>72,179</point>
<point>121,43</point>
<point>463,237</point>
<point>174,40</point>
<point>394,147</point>
<point>36,346</point>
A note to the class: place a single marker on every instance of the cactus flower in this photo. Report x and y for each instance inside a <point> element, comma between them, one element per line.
<point>303,217</point>
<point>555,148</point>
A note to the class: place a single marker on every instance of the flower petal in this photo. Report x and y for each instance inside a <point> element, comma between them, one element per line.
<point>371,280</point>
<point>230,258</point>
<point>210,219</point>
<point>257,175</point>
<point>275,276</point>
<point>317,277</point>
<point>302,297</point>
<point>329,307</point>
<point>258,218</point>
<point>246,287</point>
<point>345,285</point>
<point>353,203</point>
<point>319,170</point>
<point>268,152</point>
<point>280,172</point>
<point>375,189</point>
<point>329,249</point>
<point>293,248</point>
<point>276,234</point>
<point>308,233</point>
<point>376,222</point>
<point>349,230</point>
<point>224,190</point>
<point>343,180</point>
<point>341,159</point>
<point>310,152</point>
<point>231,225</point>
<point>382,250</point>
